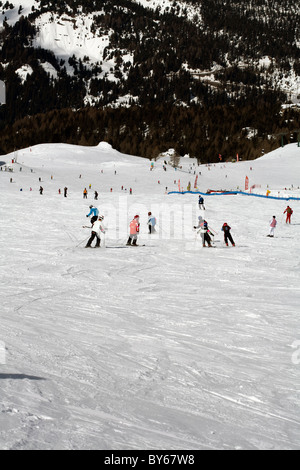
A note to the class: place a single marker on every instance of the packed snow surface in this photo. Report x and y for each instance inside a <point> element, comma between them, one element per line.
<point>164,346</point>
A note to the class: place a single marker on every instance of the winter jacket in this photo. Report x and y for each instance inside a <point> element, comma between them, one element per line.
<point>134,227</point>
<point>273,223</point>
<point>93,211</point>
<point>226,228</point>
<point>152,221</point>
<point>288,210</point>
<point>98,227</point>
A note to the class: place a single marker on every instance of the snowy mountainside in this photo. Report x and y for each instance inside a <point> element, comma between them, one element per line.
<point>277,171</point>
<point>164,346</point>
<point>71,29</point>
<point>199,60</point>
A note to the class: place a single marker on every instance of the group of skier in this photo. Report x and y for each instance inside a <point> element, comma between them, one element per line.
<point>273,222</point>
<point>206,232</point>
<point>202,228</point>
<point>98,228</point>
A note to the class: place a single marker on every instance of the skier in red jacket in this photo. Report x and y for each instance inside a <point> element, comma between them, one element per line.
<point>288,212</point>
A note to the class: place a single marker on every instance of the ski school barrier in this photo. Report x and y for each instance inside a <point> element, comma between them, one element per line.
<point>222,193</point>
<point>216,193</point>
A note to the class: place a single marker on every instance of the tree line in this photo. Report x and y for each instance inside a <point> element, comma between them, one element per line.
<point>167,105</point>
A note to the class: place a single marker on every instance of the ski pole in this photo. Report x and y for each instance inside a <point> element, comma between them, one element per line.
<point>213,230</point>
<point>85,239</point>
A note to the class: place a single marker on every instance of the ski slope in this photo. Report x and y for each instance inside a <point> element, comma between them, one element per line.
<point>163,346</point>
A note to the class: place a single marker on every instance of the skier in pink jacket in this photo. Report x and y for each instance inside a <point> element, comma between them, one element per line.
<point>134,230</point>
<point>273,223</point>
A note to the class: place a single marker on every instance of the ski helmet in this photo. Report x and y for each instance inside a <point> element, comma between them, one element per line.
<point>136,216</point>
<point>91,206</point>
<point>200,217</point>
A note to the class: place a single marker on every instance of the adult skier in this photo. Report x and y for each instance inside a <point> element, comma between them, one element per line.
<point>227,235</point>
<point>94,212</point>
<point>201,203</point>
<point>151,222</point>
<point>288,212</point>
<point>97,228</point>
<point>273,223</point>
<point>134,230</point>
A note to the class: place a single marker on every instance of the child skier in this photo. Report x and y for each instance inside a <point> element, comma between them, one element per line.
<point>151,222</point>
<point>273,223</point>
<point>95,212</point>
<point>97,228</point>
<point>288,212</point>
<point>134,230</point>
<point>201,203</point>
<point>227,235</point>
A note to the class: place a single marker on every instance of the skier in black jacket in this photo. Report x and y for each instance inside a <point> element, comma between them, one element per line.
<point>227,235</point>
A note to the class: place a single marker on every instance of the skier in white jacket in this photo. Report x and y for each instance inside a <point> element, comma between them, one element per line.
<point>97,229</point>
<point>204,231</point>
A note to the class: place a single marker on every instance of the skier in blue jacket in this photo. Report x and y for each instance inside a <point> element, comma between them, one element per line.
<point>94,212</point>
<point>151,222</point>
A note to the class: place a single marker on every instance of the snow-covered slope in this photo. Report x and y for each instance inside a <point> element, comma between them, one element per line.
<point>164,346</point>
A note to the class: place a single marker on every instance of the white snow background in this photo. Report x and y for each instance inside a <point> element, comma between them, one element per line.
<point>163,346</point>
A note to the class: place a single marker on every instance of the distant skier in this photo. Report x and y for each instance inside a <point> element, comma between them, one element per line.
<point>41,190</point>
<point>96,195</point>
<point>65,191</point>
<point>85,193</point>
<point>273,223</point>
<point>201,203</point>
<point>288,212</point>
<point>151,222</point>
<point>97,229</point>
<point>134,230</point>
<point>94,213</point>
<point>227,235</point>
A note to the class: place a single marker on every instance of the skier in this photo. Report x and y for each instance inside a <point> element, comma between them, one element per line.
<point>151,222</point>
<point>288,212</point>
<point>85,193</point>
<point>207,234</point>
<point>227,235</point>
<point>204,231</point>
<point>65,191</point>
<point>94,212</point>
<point>41,190</point>
<point>97,228</point>
<point>201,203</point>
<point>96,195</point>
<point>134,230</point>
<point>273,223</point>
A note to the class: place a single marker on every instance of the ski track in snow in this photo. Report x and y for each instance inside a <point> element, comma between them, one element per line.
<point>167,346</point>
